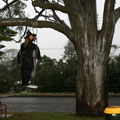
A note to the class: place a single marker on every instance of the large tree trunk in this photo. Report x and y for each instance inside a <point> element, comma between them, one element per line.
<point>93,56</point>
<point>91,87</point>
<point>91,78</point>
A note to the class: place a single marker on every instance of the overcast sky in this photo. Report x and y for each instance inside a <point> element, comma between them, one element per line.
<point>51,42</point>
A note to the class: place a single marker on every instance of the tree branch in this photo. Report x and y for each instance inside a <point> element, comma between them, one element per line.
<point>116,14</point>
<point>39,14</point>
<point>108,13</point>
<point>52,6</point>
<point>6,6</point>
<point>108,26</point>
<point>33,23</point>
<point>55,16</point>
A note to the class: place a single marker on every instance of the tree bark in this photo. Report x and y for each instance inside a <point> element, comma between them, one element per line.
<point>90,86</point>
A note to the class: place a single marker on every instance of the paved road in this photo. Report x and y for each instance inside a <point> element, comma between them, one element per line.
<point>45,104</point>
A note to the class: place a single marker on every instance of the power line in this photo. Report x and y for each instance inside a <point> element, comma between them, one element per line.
<point>52,48</point>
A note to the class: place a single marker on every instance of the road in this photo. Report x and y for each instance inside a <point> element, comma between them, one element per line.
<point>46,104</point>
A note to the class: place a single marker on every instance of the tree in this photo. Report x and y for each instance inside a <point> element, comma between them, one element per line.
<point>8,57</point>
<point>6,34</point>
<point>114,74</point>
<point>70,66</point>
<point>49,76</point>
<point>92,45</point>
<point>69,51</point>
<point>9,71</point>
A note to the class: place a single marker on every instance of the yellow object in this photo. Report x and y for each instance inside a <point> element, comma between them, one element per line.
<point>112,110</point>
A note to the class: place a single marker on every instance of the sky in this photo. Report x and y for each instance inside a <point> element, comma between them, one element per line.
<point>51,42</point>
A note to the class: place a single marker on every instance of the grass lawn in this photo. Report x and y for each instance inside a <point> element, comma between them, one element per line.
<point>47,116</point>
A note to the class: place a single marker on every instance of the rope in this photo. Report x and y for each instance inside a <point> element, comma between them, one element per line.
<point>36,32</point>
<point>20,34</point>
<point>20,31</point>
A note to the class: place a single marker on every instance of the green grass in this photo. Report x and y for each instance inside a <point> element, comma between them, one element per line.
<point>47,116</point>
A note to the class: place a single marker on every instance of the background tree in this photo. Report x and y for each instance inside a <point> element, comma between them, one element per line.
<point>6,34</point>
<point>9,10</point>
<point>49,76</point>
<point>114,74</point>
<point>14,8</point>
<point>70,66</point>
<point>8,57</point>
<point>92,45</point>
<point>69,52</point>
<point>9,71</point>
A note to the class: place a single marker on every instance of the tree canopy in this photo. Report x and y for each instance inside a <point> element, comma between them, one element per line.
<point>6,34</point>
